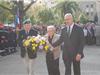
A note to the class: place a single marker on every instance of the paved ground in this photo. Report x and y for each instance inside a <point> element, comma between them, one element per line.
<point>13,65</point>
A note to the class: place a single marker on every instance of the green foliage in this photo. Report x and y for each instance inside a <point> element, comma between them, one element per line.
<point>41,14</point>
<point>67,7</point>
<point>6,16</point>
<point>84,19</point>
<point>46,16</point>
<point>64,7</point>
<point>34,20</point>
<point>11,8</point>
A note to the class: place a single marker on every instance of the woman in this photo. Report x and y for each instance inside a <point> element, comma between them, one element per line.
<point>52,57</point>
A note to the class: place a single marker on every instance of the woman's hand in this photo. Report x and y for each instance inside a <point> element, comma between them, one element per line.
<point>50,46</point>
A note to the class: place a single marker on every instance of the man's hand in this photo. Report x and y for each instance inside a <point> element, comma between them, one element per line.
<point>78,57</point>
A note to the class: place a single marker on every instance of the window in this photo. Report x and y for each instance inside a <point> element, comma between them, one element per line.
<point>87,13</point>
<point>92,5</point>
<point>87,6</point>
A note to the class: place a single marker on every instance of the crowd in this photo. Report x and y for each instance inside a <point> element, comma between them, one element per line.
<point>89,33</point>
<point>7,41</point>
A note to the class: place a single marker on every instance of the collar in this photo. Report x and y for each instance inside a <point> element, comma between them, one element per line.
<point>51,36</point>
<point>71,26</point>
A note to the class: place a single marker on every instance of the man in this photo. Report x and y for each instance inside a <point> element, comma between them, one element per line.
<point>27,54</point>
<point>52,57</point>
<point>73,38</point>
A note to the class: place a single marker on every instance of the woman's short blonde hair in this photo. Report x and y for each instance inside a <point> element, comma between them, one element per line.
<point>51,27</point>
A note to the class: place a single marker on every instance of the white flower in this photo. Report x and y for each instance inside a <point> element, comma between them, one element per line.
<point>39,36</point>
<point>43,38</point>
<point>33,36</point>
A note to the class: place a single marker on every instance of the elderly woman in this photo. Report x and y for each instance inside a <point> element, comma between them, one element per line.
<point>52,57</point>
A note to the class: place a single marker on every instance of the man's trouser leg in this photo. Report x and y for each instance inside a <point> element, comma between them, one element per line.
<point>67,64</point>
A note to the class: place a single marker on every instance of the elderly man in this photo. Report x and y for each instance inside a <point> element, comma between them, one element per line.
<point>27,54</point>
<point>52,57</point>
<point>73,38</point>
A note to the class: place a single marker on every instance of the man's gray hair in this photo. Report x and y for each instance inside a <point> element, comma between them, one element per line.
<point>51,27</point>
<point>67,14</point>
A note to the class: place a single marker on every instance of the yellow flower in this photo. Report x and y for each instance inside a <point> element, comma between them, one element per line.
<point>42,42</point>
<point>32,40</point>
<point>35,45</point>
<point>26,43</point>
<point>35,39</point>
<point>33,48</point>
<point>46,48</point>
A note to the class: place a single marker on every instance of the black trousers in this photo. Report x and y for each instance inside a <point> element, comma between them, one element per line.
<point>52,65</point>
<point>76,66</point>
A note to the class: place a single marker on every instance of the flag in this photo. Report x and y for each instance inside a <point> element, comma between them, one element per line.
<point>17,20</point>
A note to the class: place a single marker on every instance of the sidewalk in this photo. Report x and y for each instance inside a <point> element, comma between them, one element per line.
<point>13,65</point>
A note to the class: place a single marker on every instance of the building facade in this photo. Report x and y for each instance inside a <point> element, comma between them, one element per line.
<point>98,10</point>
<point>91,8</point>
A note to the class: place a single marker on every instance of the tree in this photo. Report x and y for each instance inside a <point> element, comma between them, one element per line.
<point>64,7</point>
<point>5,15</point>
<point>46,16</point>
<point>67,7</point>
<point>33,12</point>
<point>84,19</point>
<point>17,7</point>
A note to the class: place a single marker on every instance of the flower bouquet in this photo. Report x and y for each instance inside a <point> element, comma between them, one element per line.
<point>36,43</point>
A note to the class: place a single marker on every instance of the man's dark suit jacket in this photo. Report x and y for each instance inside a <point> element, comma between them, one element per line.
<point>22,36</point>
<point>73,44</point>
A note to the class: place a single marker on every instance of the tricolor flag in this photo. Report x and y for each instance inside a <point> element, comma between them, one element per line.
<point>17,20</point>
